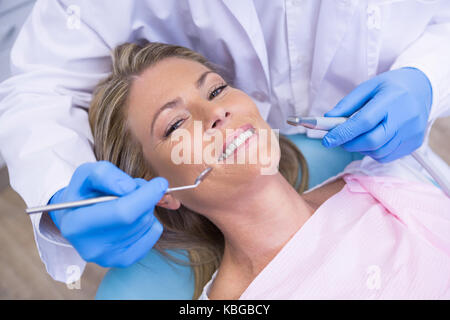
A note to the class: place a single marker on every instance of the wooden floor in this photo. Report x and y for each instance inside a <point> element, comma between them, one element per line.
<point>22,274</point>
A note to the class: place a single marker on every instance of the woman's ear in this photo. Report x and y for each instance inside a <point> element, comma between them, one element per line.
<point>169,202</point>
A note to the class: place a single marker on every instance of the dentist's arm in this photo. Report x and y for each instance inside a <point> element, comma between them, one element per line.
<point>44,129</point>
<point>398,107</point>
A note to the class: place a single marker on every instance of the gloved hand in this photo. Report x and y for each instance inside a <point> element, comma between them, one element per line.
<point>392,119</point>
<point>115,233</point>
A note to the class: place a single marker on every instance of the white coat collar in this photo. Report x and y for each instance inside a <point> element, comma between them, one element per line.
<point>245,13</point>
<point>333,22</point>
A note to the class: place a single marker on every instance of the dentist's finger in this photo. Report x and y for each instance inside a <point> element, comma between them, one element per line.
<point>404,148</point>
<point>355,100</point>
<point>109,239</point>
<point>372,140</point>
<point>126,256</point>
<point>124,211</point>
<point>386,149</point>
<point>100,177</point>
<point>363,121</point>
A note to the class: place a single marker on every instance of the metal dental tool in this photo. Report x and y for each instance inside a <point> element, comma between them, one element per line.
<point>86,202</point>
<point>328,123</point>
<point>318,123</point>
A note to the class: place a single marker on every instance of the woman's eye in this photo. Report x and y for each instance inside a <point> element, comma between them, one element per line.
<point>217,91</point>
<point>172,128</point>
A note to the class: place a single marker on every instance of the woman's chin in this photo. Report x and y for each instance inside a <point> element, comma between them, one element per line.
<point>229,182</point>
<point>235,176</point>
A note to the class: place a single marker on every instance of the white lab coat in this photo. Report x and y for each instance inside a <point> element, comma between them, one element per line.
<point>58,59</point>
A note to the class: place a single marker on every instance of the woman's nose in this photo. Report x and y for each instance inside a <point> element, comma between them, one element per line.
<point>218,118</point>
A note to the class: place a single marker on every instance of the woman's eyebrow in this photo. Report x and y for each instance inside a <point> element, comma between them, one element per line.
<point>168,105</point>
<point>202,79</point>
<point>172,104</point>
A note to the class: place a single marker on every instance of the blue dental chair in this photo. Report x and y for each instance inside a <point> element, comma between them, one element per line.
<point>155,277</point>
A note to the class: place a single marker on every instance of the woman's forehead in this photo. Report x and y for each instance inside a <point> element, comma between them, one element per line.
<point>172,68</point>
<point>164,79</point>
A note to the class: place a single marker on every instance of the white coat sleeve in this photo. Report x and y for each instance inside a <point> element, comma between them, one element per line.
<point>44,129</point>
<point>430,53</point>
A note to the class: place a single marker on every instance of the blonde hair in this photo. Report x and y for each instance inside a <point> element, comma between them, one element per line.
<point>113,142</point>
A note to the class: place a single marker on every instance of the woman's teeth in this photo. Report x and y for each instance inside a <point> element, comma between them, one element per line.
<point>236,143</point>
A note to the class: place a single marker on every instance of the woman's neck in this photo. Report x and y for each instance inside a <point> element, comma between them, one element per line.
<point>259,223</point>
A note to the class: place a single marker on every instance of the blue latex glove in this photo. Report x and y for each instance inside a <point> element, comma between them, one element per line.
<point>116,233</point>
<point>392,119</point>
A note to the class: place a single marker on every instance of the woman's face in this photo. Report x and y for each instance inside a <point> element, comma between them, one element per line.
<point>184,115</point>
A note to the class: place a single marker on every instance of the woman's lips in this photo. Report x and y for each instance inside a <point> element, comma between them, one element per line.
<point>240,138</point>
<point>236,133</point>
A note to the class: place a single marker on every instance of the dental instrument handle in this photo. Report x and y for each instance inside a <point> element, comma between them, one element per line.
<point>436,175</point>
<point>86,202</point>
<point>328,123</point>
<point>68,205</point>
<point>317,123</point>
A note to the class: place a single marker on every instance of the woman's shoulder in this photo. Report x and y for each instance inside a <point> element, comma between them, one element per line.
<point>321,194</point>
<point>406,169</point>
